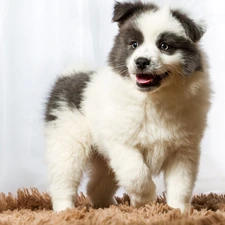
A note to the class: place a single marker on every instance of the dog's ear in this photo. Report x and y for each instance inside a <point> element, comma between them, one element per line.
<point>124,10</point>
<point>193,30</point>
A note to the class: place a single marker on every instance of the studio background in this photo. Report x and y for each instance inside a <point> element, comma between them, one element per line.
<point>39,39</point>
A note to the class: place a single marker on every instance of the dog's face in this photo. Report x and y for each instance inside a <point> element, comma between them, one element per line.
<point>154,45</point>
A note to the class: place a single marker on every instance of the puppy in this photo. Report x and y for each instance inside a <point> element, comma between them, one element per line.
<point>144,113</point>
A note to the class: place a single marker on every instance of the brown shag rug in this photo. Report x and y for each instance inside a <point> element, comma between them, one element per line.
<point>32,207</point>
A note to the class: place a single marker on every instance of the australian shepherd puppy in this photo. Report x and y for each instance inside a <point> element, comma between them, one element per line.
<point>144,113</point>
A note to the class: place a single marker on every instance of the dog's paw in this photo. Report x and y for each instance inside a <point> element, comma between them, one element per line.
<point>62,204</point>
<point>182,206</point>
<point>142,200</point>
<point>105,204</point>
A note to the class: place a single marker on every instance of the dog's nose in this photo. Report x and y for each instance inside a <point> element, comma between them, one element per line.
<point>142,63</point>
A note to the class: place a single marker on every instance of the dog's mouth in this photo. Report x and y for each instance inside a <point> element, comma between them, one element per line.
<point>149,81</point>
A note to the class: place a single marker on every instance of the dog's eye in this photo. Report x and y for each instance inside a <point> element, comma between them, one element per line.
<point>164,47</point>
<point>134,44</point>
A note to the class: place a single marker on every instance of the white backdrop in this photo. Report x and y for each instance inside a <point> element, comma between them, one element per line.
<point>41,38</point>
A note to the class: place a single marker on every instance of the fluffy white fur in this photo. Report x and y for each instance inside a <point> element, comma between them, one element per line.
<point>138,134</point>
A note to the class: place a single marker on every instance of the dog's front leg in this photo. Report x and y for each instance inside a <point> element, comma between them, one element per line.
<point>133,174</point>
<point>180,174</point>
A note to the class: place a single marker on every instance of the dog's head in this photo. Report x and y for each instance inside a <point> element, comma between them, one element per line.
<point>154,44</point>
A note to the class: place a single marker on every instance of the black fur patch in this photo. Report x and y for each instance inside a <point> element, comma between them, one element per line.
<point>122,48</point>
<point>193,30</point>
<point>123,11</point>
<point>190,54</point>
<point>68,89</point>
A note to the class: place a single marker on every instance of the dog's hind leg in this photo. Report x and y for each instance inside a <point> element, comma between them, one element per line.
<point>68,148</point>
<point>102,185</point>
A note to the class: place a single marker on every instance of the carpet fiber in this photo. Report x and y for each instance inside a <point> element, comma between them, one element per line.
<point>32,207</point>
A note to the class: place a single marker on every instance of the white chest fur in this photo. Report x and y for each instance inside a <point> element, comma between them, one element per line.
<point>118,112</point>
<point>153,132</point>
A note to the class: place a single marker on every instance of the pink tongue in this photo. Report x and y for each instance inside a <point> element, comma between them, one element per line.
<point>144,79</point>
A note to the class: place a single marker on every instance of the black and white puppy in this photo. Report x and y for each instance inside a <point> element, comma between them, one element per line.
<point>143,114</point>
